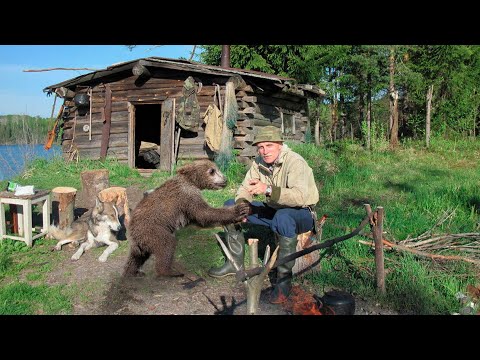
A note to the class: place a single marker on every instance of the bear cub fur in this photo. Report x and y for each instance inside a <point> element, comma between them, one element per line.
<point>175,204</point>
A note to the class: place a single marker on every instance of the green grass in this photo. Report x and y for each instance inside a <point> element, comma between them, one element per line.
<point>23,272</point>
<point>415,186</point>
<point>21,298</point>
<point>48,174</point>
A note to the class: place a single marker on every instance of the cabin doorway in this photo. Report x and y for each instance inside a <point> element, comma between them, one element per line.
<point>151,135</point>
<point>147,136</point>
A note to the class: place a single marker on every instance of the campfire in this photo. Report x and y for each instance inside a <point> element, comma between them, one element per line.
<point>301,302</point>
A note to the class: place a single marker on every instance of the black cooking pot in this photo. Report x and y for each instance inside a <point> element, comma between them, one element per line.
<point>82,100</point>
<point>340,302</point>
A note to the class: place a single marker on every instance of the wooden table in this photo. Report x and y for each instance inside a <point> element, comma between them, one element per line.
<point>26,202</point>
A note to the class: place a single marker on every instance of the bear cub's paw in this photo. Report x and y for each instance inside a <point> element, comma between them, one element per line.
<point>242,210</point>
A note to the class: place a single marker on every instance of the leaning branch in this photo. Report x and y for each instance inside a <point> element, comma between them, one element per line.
<point>50,69</point>
<point>243,275</point>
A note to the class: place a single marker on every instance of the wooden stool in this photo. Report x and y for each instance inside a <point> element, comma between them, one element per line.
<point>25,214</point>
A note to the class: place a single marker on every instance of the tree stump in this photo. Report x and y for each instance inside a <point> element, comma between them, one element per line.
<point>117,195</point>
<point>63,204</point>
<point>94,181</point>
<point>307,261</point>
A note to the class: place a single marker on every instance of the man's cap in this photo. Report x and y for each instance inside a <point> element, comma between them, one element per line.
<point>268,133</point>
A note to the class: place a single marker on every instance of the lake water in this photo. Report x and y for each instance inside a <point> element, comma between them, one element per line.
<point>14,157</point>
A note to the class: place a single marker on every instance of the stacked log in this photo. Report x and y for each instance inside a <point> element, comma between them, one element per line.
<point>257,110</point>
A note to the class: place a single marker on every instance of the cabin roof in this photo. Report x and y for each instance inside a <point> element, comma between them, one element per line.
<point>185,65</point>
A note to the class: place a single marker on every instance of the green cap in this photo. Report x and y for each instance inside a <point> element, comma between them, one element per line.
<point>268,133</point>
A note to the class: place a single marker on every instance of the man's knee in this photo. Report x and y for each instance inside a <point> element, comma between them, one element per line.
<point>283,224</point>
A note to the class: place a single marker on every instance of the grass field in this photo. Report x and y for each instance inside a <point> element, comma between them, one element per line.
<point>415,186</point>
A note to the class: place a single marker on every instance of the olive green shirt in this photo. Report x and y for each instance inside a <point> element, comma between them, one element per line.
<point>292,181</point>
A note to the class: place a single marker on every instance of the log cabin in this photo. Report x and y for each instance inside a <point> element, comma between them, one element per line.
<point>162,104</point>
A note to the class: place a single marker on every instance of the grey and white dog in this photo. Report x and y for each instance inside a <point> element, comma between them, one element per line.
<point>100,229</point>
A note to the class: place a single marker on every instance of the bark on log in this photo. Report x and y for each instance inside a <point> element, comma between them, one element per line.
<point>94,181</point>
<point>308,261</point>
<point>140,70</point>
<point>63,204</point>
<point>117,195</point>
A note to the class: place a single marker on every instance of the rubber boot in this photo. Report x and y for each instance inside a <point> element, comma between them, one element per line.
<point>283,284</point>
<point>235,242</point>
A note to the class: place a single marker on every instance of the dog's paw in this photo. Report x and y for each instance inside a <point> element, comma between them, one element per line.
<point>75,257</point>
<point>102,258</point>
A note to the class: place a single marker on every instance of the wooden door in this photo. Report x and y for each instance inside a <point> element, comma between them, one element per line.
<point>167,127</point>
<point>131,135</point>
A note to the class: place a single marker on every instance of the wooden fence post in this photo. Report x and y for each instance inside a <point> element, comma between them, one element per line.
<point>376,225</point>
<point>379,261</point>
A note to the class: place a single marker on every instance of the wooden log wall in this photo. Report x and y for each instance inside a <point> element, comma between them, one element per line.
<point>255,110</point>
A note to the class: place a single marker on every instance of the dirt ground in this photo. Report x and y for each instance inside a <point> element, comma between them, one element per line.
<point>106,292</point>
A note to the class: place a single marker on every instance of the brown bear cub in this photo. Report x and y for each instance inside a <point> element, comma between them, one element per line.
<point>175,204</point>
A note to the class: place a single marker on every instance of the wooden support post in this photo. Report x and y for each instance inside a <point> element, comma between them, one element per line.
<point>107,122</point>
<point>14,214</point>
<point>253,288</point>
<point>63,204</point>
<point>94,181</point>
<point>379,261</point>
<point>254,284</point>
<point>166,138</point>
<point>376,225</point>
<point>253,246</point>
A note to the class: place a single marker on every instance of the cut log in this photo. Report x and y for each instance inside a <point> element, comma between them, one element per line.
<point>63,204</point>
<point>117,195</point>
<point>94,181</point>
<point>307,261</point>
<point>140,70</point>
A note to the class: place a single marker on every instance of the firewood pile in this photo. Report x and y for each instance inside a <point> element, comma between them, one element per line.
<point>149,152</point>
<point>436,246</point>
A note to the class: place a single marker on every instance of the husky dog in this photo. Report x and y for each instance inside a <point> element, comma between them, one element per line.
<point>96,231</point>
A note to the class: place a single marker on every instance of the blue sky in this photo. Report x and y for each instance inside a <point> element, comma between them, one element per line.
<point>22,92</point>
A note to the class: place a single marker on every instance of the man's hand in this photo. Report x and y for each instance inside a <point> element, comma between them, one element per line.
<point>256,187</point>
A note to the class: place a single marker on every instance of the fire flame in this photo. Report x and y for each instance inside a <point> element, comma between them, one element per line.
<point>301,302</point>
